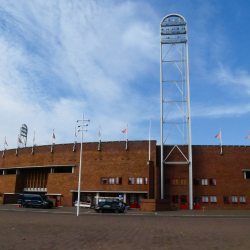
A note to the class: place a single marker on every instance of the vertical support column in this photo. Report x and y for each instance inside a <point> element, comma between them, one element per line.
<point>189,134</point>
<point>124,197</point>
<point>97,198</point>
<point>161,93</point>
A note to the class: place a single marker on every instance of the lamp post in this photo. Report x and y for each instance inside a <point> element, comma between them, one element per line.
<point>80,169</point>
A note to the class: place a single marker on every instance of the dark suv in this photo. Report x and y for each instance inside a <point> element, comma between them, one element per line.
<point>34,200</point>
<point>109,207</point>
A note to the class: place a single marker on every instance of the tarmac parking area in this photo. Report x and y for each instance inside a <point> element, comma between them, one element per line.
<point>54,229</point>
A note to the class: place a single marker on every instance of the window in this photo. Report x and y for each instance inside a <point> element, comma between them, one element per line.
<point>10,171</point>
<point>111,181</point>
<point>167,181</point>
<point>234,199</point>
<point>63,170</point>
<point>146,181</point>
<point>118,180</point>
<point>103,180</point>
<point>175,198</point>
<point>242,199</point>
<point>139,181</point>
<point>204,182</point>
<point>212,182</point>
<point>204,199</point>
<point>226,199</point>
<point>183,181</point>
<point>213,199</point>
<point>131,181</point>
<point>247,174</point>
<point>196,182</point>
<point>175,182</point>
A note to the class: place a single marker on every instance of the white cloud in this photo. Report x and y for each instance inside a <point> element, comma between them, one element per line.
<point>59,59</point>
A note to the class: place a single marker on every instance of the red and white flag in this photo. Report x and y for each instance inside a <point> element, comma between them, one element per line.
<point>124,131</point>
<point>5,142</point>
<point>218,136</point>
<point>99,133</point>
<point>248,137</point>
<point>19,140</point>
<point>53,136</point>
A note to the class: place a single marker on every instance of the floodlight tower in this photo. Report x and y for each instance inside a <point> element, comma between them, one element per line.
<point>23,135</point>
<point>175,97</point>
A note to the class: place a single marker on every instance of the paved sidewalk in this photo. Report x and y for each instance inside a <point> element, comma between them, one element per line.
<point>38,229</point>
<point>178,213</point>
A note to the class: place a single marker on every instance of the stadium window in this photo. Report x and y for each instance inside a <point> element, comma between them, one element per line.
<point>204,199</point>
<point>175,182</point>
<point>196,182</point>
<point>111,181</point>
<point>103,180</point>
<point>175,198</point>
<point>139,181</point>
<point>118,180</point>
<point>234,199</point>
<point>242,199</point>
<point>131,181</point>
<point>212,182</point>
<point>226,199</point>
<point>204,182</point>
<point>183,182</point>
<point>213,199</point>
<point>247,175</point>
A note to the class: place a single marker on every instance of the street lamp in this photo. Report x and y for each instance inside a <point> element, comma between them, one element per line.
<point>80,169</point>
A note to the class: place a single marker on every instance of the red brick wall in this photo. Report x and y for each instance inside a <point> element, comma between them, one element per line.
<point>112,161</point>
<point>209,163</point>
<point>7,183</point>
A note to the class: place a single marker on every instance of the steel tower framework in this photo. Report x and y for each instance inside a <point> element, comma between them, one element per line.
<point>174,94</point>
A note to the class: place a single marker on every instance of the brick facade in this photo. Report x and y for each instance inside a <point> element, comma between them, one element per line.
<point>113,161</point>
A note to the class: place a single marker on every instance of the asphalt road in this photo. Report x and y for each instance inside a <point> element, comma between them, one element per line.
<point>61,229</point>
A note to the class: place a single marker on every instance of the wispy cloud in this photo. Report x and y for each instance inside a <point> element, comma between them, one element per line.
<point>63,58</point>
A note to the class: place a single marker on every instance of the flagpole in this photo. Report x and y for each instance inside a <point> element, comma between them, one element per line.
<point>149,137</point>
<point>127,133</point>
<point>4,143</point>
<point>220,142</point>
<point>99,132</point>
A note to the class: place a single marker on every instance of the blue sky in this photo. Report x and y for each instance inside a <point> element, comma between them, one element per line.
<point>60,59</point>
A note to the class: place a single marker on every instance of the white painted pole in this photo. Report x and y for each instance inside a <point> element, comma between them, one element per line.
<point>80,170</point>
<point>149,139</point>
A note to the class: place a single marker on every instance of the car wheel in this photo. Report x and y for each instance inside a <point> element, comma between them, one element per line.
<point>101,211</point>
<point>116,211</point>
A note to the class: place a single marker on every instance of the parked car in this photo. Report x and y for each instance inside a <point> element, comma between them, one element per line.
<point>109,207</point>
<point>34,200</point>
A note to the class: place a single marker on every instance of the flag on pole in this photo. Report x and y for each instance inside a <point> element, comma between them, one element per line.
<point>34,137</point>
<point>5,142</point>
<point>99,133</point>
<point>75,132</point>
<point>19,140</point>
<point>124,131</point>
<point>53,136</point>
<point>218,136</point>
<point>248,137</point>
